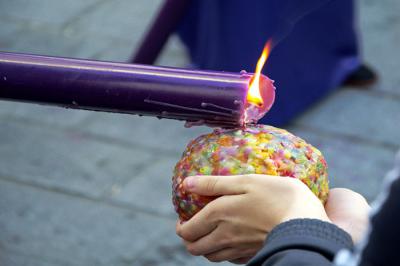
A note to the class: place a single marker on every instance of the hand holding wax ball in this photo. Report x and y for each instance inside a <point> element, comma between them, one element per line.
<point>255,149</point>
<point>235,176</point>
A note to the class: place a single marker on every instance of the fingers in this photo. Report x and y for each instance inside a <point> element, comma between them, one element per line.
<point>232,184</point>
<point>207,220</point>
<point>208,244</point>
<point>344,194</point>
<point>223,255</point>
<point>231,254</point>
<point>216,185</point>
<point>201,224</point>
<point>341,199</point>
<point>222,239</point>
<point>241,260</point>
<point>348,210</point>
<point>205,245</point>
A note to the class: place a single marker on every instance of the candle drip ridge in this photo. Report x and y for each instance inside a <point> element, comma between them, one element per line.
<point>219,107</point>
<point>185,116</point>
<point>186,108</point>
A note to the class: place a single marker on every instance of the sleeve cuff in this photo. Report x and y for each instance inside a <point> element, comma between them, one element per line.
<point>305,234</point>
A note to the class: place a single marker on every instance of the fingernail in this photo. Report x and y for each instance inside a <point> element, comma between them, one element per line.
<point>190,182</point>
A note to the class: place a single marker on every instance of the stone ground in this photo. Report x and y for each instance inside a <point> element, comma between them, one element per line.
<point>86,188</point>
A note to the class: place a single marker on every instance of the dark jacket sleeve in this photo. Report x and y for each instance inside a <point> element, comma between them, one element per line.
<point>383,241</point>
<point>302,242</point>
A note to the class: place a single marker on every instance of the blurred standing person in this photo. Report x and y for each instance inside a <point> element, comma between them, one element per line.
<point>320,53</point>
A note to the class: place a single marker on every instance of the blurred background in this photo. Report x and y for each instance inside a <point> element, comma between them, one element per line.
<point>87,188</point>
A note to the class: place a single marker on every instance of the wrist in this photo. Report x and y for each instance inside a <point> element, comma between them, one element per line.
<point>307,214</point>
<point>301,228</point>
<point>304,234</point>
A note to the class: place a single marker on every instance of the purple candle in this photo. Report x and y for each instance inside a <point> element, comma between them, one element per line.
<point>210,97</point>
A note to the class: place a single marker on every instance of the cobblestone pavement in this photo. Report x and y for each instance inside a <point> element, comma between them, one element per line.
<point>86,188</point>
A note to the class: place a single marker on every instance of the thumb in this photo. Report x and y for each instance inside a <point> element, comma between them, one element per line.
<point>215,185</point>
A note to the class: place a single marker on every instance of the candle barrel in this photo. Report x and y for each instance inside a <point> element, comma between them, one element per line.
<point>216,98</point>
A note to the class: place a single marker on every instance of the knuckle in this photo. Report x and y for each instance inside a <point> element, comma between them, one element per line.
<point>214,211</point>
<point>189,237</point>
<point>211,184</point>
<point>240,261</point>
<point>245,181</point>
<point>183,234</point>
<point>250,252</point>
<point>234,241</point>
<point>296,189</point>
<point>178,228</point>
<point>214,257</point>
<point>178,231</point>
<point>192,249</point>
<point>211,213</point>
<point>223,242</point>
<point>226,240</point>
<point>296,183</point>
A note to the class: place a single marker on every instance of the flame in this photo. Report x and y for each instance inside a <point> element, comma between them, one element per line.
<point>254,94</point>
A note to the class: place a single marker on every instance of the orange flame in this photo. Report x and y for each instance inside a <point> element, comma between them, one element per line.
<point>254,94</point>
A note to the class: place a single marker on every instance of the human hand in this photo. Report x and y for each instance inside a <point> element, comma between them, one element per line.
<point>348,210</point>
<point>234,226</point>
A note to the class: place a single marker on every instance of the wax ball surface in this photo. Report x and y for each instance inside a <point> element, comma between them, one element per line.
<point>259,149</point>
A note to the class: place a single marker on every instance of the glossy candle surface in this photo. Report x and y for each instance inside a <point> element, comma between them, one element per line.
<point>211,97</point>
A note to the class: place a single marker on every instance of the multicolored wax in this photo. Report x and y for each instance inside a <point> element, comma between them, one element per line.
<point>257,149</point>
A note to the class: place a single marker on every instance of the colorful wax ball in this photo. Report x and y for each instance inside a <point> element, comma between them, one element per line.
<point>257,149</point>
